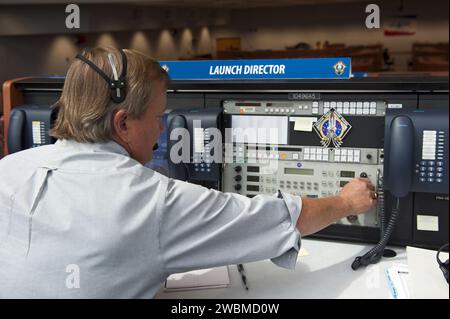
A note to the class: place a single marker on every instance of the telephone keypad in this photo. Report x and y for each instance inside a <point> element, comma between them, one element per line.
<point>430,171</point>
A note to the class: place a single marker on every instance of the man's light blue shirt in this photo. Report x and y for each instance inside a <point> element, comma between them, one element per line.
<point>87,221</point>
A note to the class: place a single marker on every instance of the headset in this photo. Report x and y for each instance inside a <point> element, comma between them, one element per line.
<point>443,265</point>
<point>118,85</point>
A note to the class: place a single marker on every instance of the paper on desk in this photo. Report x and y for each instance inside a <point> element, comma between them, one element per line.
<point>398,280</point>
<point>302,253</point>
<point>199,279</point>
<point>426,279</point>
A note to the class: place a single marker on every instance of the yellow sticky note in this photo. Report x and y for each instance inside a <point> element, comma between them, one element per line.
<point>303,124</point>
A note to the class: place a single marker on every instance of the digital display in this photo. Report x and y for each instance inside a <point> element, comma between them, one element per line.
<point>299,171</point>
<point>253,188</point>
<point>253,178</point>
<point>347,174</point>
<point>253,169</point>
<point>247,104</point>
<point>343,183</point>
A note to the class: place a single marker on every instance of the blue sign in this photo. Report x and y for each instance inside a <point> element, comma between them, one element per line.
<point>323,68</point>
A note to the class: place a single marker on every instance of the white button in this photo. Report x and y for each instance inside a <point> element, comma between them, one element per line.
<point>344,152</point>
<point>357,152</point>
<point>277,110</point>
<point>313,157</point>
<point>359,105</point>
<point>346,110</point>
<point>338,152</point>
<point>326,104</point>
<point>315,104</point>
<point>350,152</point>
<point>306,156</point>
<point>324,151</point>
<point>366,105</point>
<point>292,111</point>
<point>315,110</point>
<point>365,111</point>
<point>373,105</point>
<point>352,111</point>
<point>325,157</point>
<point>300,107</point>
<point>336,158</point>
<point>339,109</point>
<point>325,110</point>
<point>346,104</point>
<point>353,104</point>
<point>339,104</point>
<point>312,151</point>
<point>343,158</point>
<point>349,158</point>
<point>333,105</point>
<point>319,157</point>
<point>373,111</point>
<point>356,159</point>
<point>358,111</point>
<point>295,156</point>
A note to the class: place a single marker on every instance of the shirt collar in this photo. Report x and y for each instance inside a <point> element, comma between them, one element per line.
<point>109,147</point>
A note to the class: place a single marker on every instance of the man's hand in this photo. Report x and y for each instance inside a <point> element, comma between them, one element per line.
<point>358,196</point>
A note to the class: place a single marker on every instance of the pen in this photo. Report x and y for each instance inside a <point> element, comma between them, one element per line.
<point>241,270</point>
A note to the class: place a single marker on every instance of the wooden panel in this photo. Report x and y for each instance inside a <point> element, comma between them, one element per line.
<point>12,97</point>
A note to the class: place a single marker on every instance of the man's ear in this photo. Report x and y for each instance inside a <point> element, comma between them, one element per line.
<point>120,125</point>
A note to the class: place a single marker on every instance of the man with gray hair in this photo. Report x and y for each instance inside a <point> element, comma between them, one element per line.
<point>84,218</point>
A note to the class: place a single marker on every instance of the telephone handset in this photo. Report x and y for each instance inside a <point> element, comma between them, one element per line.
<point>415,160</point>
<point>29,126</point>
<point>16,131</point>
<point>176,170</point>
<point>399,162</point>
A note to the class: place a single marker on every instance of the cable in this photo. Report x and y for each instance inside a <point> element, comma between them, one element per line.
<point>443,265</point>
<point>375,254</point>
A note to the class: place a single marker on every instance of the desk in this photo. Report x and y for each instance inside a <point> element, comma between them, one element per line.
<point>324,273</point>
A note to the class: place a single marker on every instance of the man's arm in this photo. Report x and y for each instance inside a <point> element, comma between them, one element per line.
<point>356,197</point>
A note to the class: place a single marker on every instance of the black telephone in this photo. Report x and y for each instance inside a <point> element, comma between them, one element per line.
<point>416,151</point>
<point>29,126</point>
<point>415,160</point>
<point>198,165</point>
